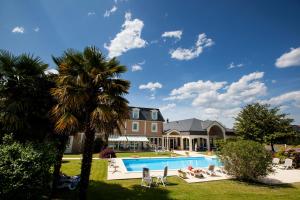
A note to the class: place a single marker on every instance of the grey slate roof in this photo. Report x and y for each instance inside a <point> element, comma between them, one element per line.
<point>296,128</point>
<point>188,125</point>
<point>145,114</point>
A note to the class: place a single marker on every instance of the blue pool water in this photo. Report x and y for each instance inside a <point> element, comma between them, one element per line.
<point>133,165</point>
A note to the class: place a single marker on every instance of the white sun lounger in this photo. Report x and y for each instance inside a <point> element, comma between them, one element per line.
<point>288,163</point>
<point>146,179</point>
<point>162,179</point>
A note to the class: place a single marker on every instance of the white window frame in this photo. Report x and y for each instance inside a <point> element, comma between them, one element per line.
<point>154,131</point>
<point>138,126</point>
<point>137,112</point>
<point>152,114</point>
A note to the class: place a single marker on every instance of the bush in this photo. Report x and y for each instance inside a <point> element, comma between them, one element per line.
<point>246,160</point>
<point>221,142</point>
<point>24,169</point>
<point>107,153</point>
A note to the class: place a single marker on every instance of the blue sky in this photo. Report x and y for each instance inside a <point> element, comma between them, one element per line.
<point>203,59</point>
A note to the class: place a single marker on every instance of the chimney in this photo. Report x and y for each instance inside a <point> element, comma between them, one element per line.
<point>167,120</point>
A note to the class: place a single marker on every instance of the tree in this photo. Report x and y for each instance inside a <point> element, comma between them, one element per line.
<point>25,98</point>
<point>261,123</point>
<point>90,98</point>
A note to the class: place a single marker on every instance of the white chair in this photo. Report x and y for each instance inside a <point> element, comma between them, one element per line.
<point>275,162</point>
<point>288,163</point>
<point>162,179</point>
<point>146,179</point>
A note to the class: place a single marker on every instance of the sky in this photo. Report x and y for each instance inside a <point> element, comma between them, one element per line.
<point>190,58</point>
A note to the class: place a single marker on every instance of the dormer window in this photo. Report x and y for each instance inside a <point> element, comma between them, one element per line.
<point>154,114</point>
<point>135,113</point>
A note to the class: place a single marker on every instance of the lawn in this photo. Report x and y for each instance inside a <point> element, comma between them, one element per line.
<point>126,154</point>
<point>100,188</point>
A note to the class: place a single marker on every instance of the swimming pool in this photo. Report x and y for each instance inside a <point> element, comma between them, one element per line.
<point>137,165</point>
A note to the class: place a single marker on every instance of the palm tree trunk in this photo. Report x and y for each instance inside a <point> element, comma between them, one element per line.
<point>61,146</point>
<point>272,146</point>
<point>86,161</point>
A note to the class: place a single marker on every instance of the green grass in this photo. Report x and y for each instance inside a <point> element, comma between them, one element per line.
<point>100,188</point>
<point>126,154</point>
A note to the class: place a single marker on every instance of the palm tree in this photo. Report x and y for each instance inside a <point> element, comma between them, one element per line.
<point>25,99</point>
<point>90,98</point>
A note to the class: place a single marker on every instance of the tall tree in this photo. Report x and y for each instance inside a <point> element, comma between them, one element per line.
<point>262,123</point>
<point>90,95</point>
<point>25,98</point>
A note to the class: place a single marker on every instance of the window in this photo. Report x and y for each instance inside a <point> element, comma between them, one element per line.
<point>135,113</point>
<point>154,114</point>
<point>135,126</point>
<point>154,127</point>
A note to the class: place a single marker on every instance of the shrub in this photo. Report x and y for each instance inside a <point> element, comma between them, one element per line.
<point>221,142</point>
<point>107,153</point>
<point>24,169</point>
<point>246,160</point>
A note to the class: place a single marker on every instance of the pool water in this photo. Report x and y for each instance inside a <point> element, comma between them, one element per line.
<point>137,165</point>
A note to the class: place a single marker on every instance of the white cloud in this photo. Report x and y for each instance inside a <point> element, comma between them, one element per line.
<point>220,100</point>
<point>292,98</point>
<point>188,54</point>
<point>151,86</point>
<point>273,81</point>
<point>18,29</point>
<point>168,107</point>
<point>111,11</point>
<point>175,34</point>
<point>289,59</point>
<point>191,89</point>
<point>36,29</point>
<point>136,67</point>
<point>51,71</point>
<point>128,38</point>
<point>91,13</point>
<point>232,65</point>
<point>153,41</point>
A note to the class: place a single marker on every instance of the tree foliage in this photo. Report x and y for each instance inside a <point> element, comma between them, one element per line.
<point>261,123</point>
<point>246,160</point>
<point>25,98</point>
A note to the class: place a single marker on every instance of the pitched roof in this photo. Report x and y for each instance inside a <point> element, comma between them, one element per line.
<point>145,114</point>
<point>188,125</point>
<point>296,128</point>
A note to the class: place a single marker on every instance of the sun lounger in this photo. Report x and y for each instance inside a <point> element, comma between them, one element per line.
<point>196,172</point>
<point>146,179</point>
<point>288,163</point>
<point>182,174</point>
<point>275,162</point>
<point>211,170</point>
<point>162,179</point>
<point>221,170</point>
